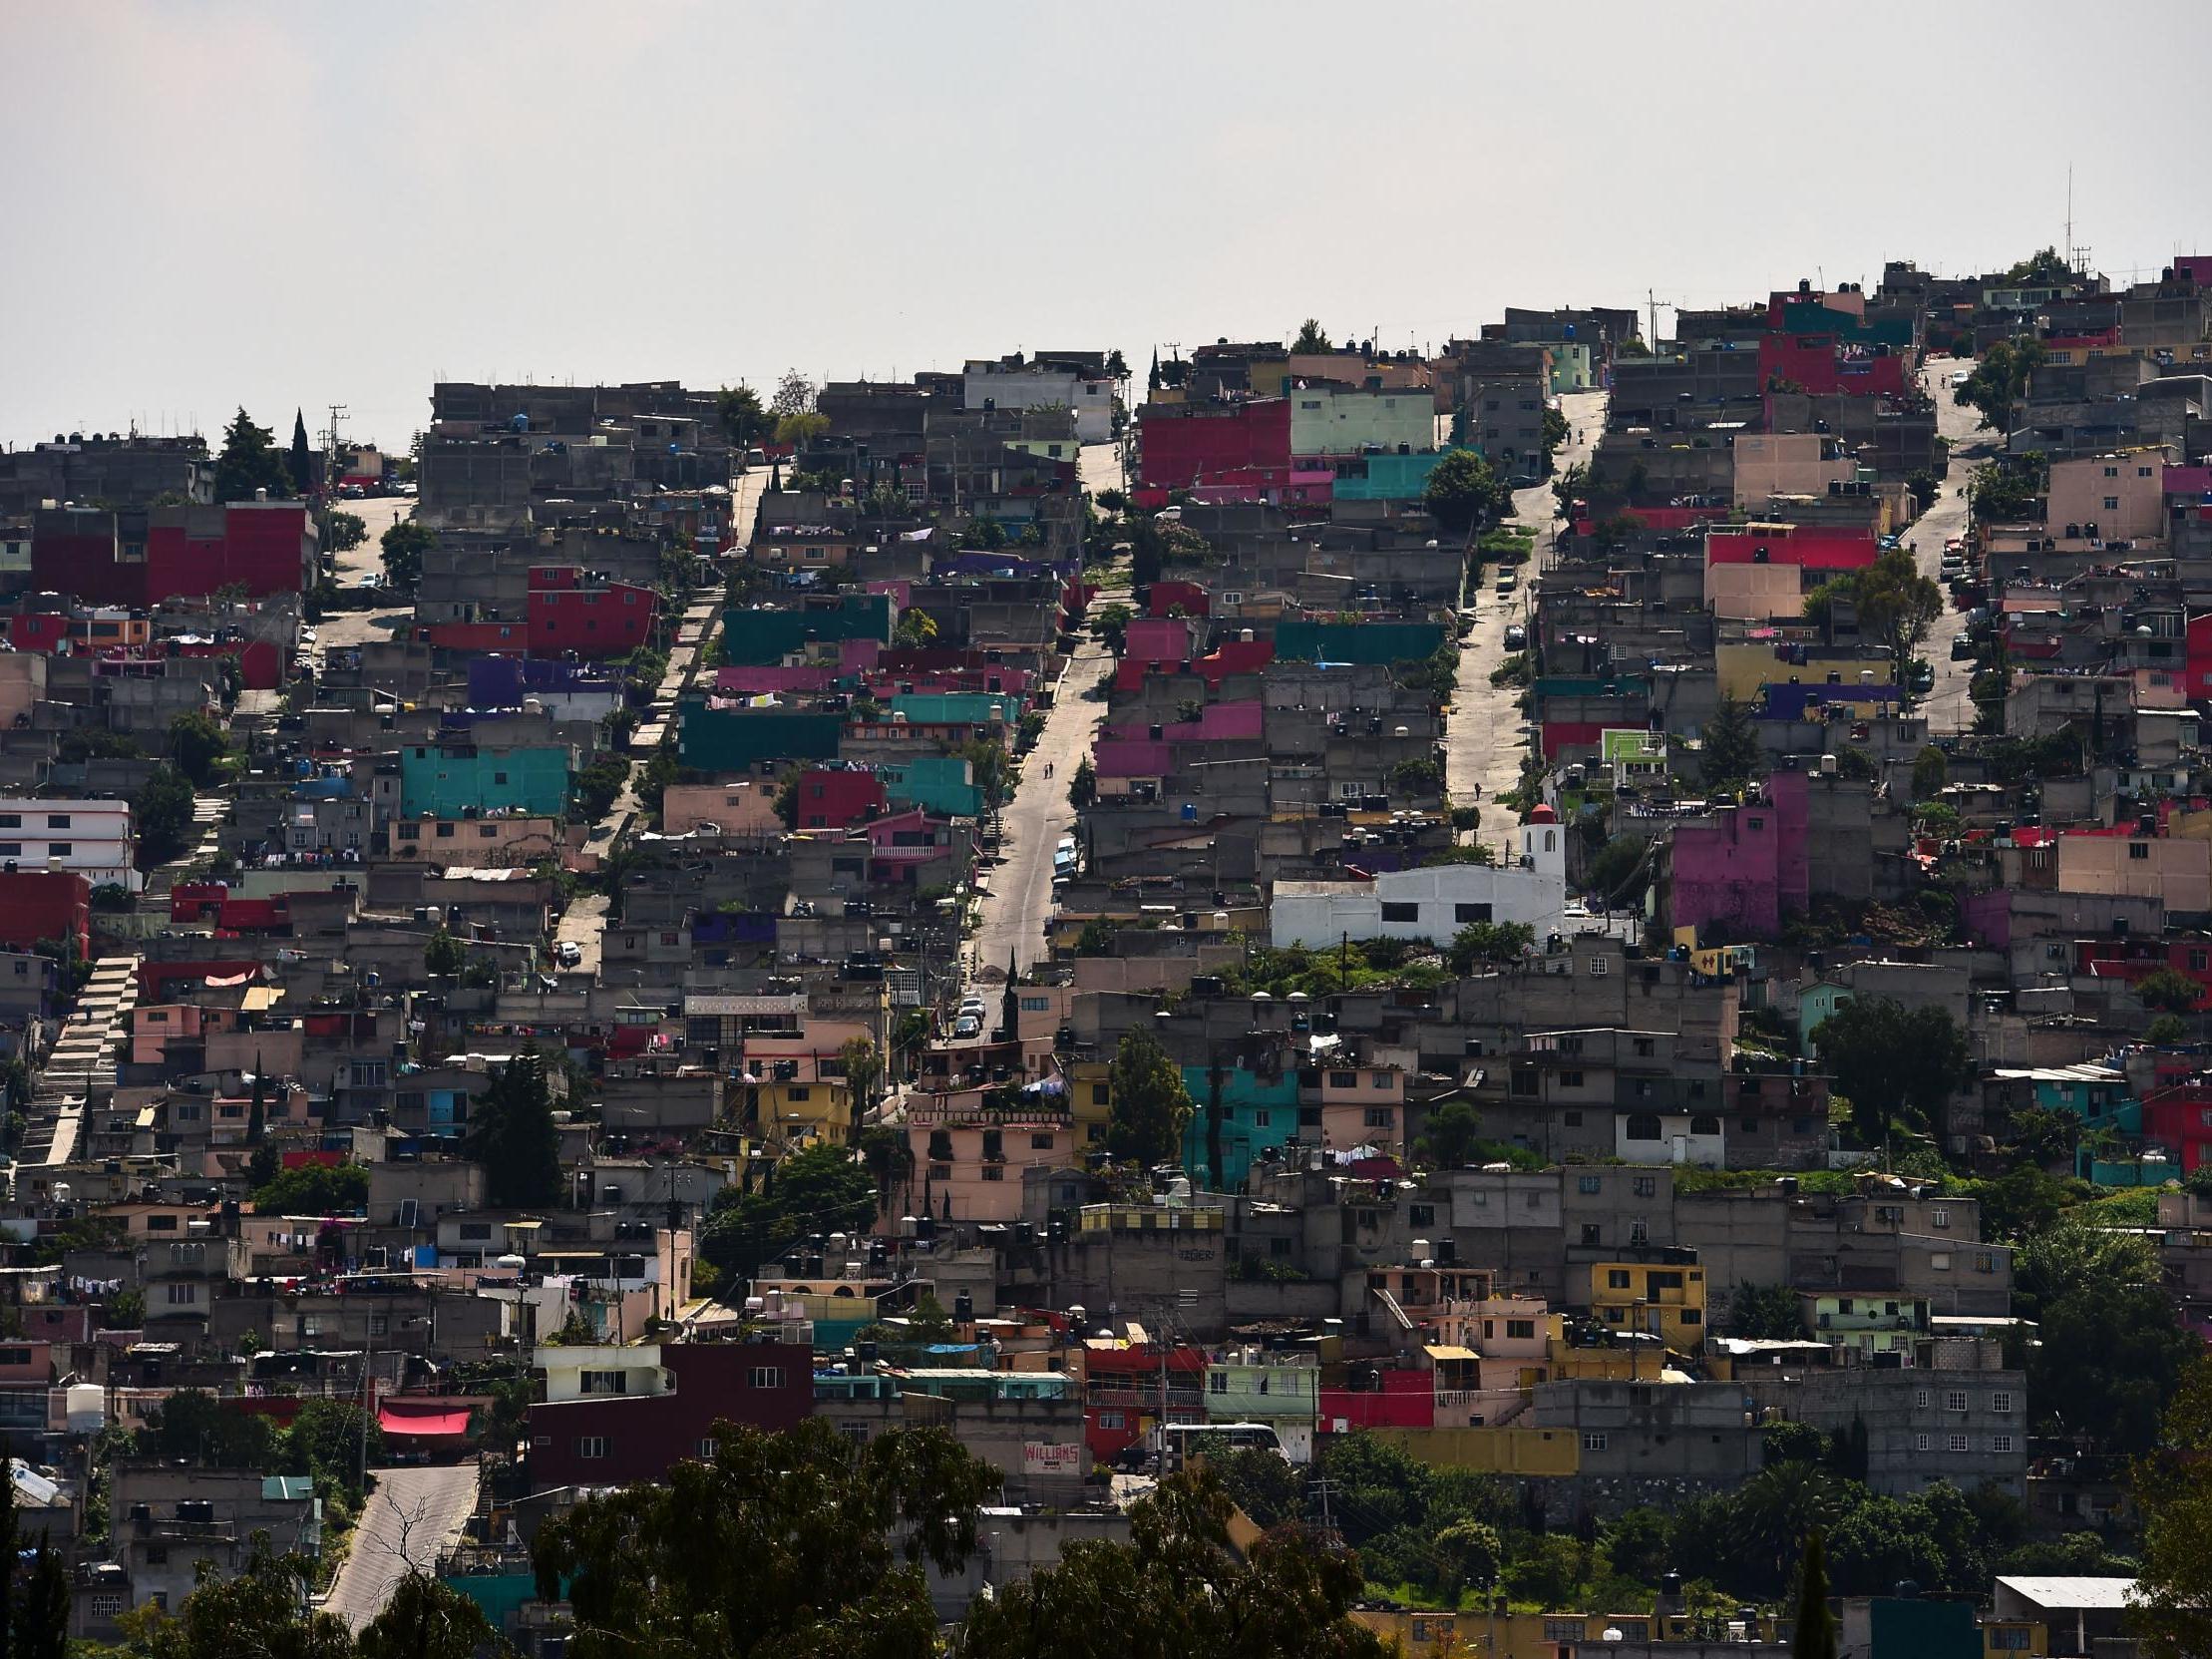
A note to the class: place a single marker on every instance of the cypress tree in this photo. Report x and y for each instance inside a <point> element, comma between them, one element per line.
<point>1815,1635</point>
<point>303,462</point>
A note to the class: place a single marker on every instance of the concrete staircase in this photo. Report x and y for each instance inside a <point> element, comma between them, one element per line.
<point>82,1066</point>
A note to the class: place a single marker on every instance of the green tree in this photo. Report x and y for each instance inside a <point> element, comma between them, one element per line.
<point>2166,991</point>
<point>1150,1107</point>
<point>2169,1031</point>
<point>1621,871</point>
<point>301,463</point>
<point>1312,338</point>
<point>1480,943</point>
<point>424,1618</point>
<point>2009,489</point>
<point>1815,1636</point>
<point>327,1440</point>
<point>2071,1256</point>
<point>917,630</point>
<point>2106,1362</point>
<point>1266,1485</point>
<point>1896,606</point>
<point>813,1516</point>
<point>198,744</point>
<point>1730,755</point>
<point>163,809</point>
<point>1764,1312</point>
<point>2173,1491</point>
<point>314,1189</point>
<point>194,1427</point>
<point>2000,381</point>
<point>599,785</point>
<point>263,1612</point>
<point>444,955</point>
<point>511,1132</point>
<point>817,1189</point>
<point>249,461</point>
<point>1178,1588</point>
<point>404,542</point>
<point>343,532</point>
<point>1112,623</point>
<point>744,421</point>
<point>864,1071</point>
<point>1083,788</point>
<point>1451,1134</point>
<point>1463,492</point>
<point>1931,772</point>
<point>41,1615</point>
<point>795,395</point>
<point>1890,1062</point>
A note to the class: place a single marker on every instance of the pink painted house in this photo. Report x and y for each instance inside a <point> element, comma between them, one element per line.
<point>1738,872</point>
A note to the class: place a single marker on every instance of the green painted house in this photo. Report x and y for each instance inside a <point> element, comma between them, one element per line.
<point>754,636</point>
<point>941,783</point>
<point>747,739</point>
<point>965,708</point>
<point>1361,642</point>
<point>448,780</point>
<point>1256,1113</point>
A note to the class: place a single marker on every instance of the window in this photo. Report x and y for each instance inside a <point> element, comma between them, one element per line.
<point>56,820</point>
<point>1617,1277</point>
<point>1524,1328</point>
<point>1421,1215</point>
<point>2000,1403</point>
<point>592,1446</point>
<point>1570,1079</point>
<point>1954,1401</point>
<point>605,1382</point>
<point>2111,504</point>
<point>994,1172</point>
<point>1262,1118</point>
<point>1401,912</point>
<point>2011,1641</point>
<point>706,1449</point>
<point>2138,849</point>
<point>59,849</point>
<point>1470,912</point>
<point>182,1295</point>
<point>1957,1443</point>
<point>1589,1184</point>
<point>1707,1124</point>
<point>1644,1186</point>
<point>2001,1442</point>
<point>1642,1126</point>
<point>1343,1079</point>
<point>1939,1261</point>
<point>765,1377</point>
<point>1923,1443</point>
<point>1380,1080</point>
<point>108,1606</point>
<point>1380,1117</point>
<point>1570,1630</point>
<point>1985,1261</point>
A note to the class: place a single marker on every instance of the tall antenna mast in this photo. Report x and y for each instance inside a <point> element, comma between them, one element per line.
<point>2069,215</point>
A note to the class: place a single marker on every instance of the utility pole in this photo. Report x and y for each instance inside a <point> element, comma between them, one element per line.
<point>330,444</point>
<point>1650,300</point>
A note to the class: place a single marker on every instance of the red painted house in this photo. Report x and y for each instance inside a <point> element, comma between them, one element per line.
<point>1125,1387</point>
<point>263,547</point>
<point>1190,443</point>
<point>44,904</point>
<point>568,613</point>
<point>1397,1399</point>
<point>838,798</point>
<point>1808,547</point>
<point>228,912</point>
<point>1820,364</point>
<point>613,1440</point>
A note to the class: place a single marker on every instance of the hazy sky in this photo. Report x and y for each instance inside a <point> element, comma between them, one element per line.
<point>216,204</point>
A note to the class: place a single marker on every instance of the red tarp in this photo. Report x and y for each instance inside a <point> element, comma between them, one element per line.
<point>439,1419</point>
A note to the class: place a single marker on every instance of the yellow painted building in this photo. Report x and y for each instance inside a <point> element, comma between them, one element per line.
<point>1552,1453</point>
<point>1665,1299</point>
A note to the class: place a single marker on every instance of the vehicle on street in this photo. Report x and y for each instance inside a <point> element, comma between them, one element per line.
<point>1962,648</point>
<point>1505,585</point>
<point>1516,636</point>
<point>967,1026</point>
<point>569,954</point>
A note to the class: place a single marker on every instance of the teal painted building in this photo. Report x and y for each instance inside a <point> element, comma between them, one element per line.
<point>941,783</point>
<point>746,739</point>
<point>1390,477</point>
<point>1256,1113</point>
<point>448,780</point>
<point>1361,642</point>
<point>753,636</point>
<point>967,708</point>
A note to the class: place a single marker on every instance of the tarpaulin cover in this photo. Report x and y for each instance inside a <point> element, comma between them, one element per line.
<point>400,1416</point>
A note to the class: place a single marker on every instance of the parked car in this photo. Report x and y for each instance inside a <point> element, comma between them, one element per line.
<point>569,954</point>
<point>1962,648</point>
<point>1516,636</point>
<point>967,1026</point>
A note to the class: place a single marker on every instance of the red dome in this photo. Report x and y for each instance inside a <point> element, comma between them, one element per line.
<point>1543,815</point>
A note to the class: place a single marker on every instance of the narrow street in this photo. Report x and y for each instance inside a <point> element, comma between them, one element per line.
<point>414,1515</point>
<point>1948,709</point>
<point>1033,823</point>
<point>1483,736</point>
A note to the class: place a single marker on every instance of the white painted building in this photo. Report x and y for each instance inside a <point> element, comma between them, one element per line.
<point>1001,386</point>
<point>95,839</point>
<point>1435,902</point>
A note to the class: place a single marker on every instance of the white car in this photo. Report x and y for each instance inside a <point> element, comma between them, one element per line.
<point>568,953</point>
